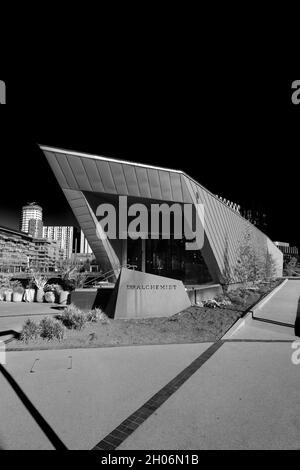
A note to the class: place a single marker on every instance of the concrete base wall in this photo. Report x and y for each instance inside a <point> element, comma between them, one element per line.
<point>143,295</point>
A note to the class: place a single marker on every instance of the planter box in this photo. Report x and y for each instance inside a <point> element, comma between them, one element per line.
<point>8,296</point>
<point>49,297</point>
<point>84,299</point>
<point>29,295</point>
<point>40,295</point>
<point>63,297</point>
<point>17,297</point>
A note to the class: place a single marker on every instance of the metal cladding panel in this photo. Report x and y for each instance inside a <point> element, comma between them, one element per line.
<point>187,198</point>
<point>90,226</point>
<point>154,183</point>
<point>106,177</point>
<point>79,173</point>
<point>143,182</point>
<point>93,174</point>
<point>54,164</point>
<point>165,185</point>
<point>131,180</point>
<point>225,230</point>
<point>119,178</point>
<point>80,210</point>
<point>67,171</point>
<point>176,187</point>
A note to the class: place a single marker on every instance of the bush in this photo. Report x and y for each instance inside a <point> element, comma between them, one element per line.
<point>219,302</point>
<point>97,315</point>
<point>30,331</point>
<point>19,290</point>
<point>210,303</point>
<point>51,329</point>
<point>73,318</point>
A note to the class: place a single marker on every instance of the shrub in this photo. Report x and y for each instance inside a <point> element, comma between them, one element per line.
<point>15,284</point>
<point>73,318</point>
<point>30,331</point>
<point>210,303</point>
<point>97,315</point>
<point>19,290</point>
<point>51,329</point>
<point>219,302</point>
<point>39,280</point>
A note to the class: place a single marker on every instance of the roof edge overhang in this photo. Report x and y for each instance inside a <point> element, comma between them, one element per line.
<point>47,148</point>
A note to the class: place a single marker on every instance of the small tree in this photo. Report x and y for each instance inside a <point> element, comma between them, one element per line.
<point>250,266</point>
<point>290,267</point>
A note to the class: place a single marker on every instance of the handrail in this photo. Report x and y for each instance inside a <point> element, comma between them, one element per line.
<point>105,276</point>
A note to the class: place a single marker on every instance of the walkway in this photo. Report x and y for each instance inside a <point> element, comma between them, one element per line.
<point>239,393</point>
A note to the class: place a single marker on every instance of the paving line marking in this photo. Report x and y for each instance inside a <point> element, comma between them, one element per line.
<point>129,425</point>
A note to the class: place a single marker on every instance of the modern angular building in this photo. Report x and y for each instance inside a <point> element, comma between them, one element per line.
<point>90,180</point>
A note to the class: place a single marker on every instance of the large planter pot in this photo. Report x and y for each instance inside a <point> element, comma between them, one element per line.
<point>8,296</point>
<point>17,296</point>
<point>29,295</point>
<point>84,299</point>
<point>40,295</point>
<point>63,297</point>
<point>50,297</point>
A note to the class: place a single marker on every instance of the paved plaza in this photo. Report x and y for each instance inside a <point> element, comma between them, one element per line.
<point>239,393</point>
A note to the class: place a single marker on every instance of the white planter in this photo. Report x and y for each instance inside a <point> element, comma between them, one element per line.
<point>63,297</point>
<point>29,295</point>
<point>40,295</point>
<point>49,297</point>
<point>8,296</point>
<point>17,297</point>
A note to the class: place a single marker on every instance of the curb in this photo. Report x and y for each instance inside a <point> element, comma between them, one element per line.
<point>249,311</point>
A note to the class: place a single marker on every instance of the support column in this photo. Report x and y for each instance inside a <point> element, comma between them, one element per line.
<point>143,255</point>
<point>124,252</point>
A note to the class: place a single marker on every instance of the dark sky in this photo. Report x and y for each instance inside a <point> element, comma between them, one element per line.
<point>239,137</point>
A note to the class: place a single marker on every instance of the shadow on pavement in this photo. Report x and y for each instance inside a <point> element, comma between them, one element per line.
<point>14,333</point>
<point>42,423</point>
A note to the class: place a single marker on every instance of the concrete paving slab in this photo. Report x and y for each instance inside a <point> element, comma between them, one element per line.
<point>14,314</point>
<point>84,403</point>
<point>10,309</point>
<point>245,397</point>
<point>282,306</point>
<point>18,430</point>
<point>250,329</point>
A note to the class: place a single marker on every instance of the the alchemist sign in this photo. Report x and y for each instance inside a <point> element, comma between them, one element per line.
<point>144,295</point>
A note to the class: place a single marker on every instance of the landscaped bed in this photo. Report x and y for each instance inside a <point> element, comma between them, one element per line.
<point>195,324</point>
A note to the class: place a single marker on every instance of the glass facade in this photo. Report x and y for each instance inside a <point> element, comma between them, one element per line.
<point>169,258</point>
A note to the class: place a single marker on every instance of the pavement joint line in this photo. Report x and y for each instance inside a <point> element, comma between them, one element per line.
<point>130,424</point>
<point>28,315</point>
<point>287,341</point>
<point>273,322</point>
